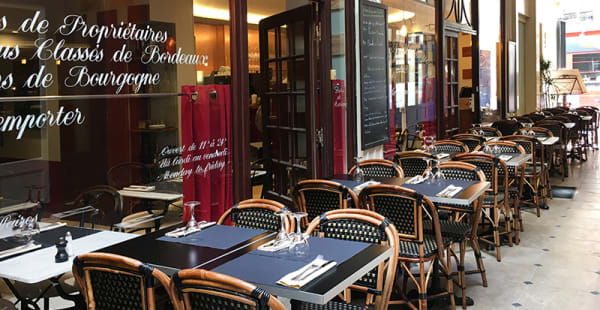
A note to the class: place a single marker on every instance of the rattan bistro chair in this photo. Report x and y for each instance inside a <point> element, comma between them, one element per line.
<point>450,146</point>
<point>488,132</point>
<point>412,162</point>
<point>198,289</point>
<point>316,197</point>
<point>362,226</point>
<point>515,182</point>
<point>257,214</point>
<point>407,210</point>
<point>379,168</point>
<point>458,229</point>
<point>494,202</point>
<point>533,176</point>
<point>507,127</point>
<point>470,140</point>
<point>109,281</point>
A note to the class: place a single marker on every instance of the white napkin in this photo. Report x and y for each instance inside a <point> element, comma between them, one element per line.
<point>20,249</point>
<point>449,191</point>
<point>50,226</point>
<point>415,180</point>
<point>270,247</point>
<point>139,188</point>
<point>304,275</point>
<point>360,187</point>
<point>505,157</point>
<point>442,155</point>
<point>183,231</point>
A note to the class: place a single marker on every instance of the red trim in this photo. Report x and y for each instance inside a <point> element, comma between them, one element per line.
<point>581,53</point>
<point>585,33</point>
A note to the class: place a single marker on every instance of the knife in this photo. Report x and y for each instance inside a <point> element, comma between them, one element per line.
<point>315,270</point>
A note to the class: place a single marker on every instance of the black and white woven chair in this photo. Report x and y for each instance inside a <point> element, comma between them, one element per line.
<point>471,141</point>
<point>488,132</point>
<point>362,226</point>
<point>408,210</point>
<point>109,281</point>
<point>379,168</point>
<point>257,214</point>
<point>450,147</point>
<point>507,127</point>
<point>494,202</point>
<point>198,289</point>
<point>316,197</point>
<point>412,162</point>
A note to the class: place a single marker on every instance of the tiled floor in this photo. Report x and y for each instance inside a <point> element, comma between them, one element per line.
<point>557,264</point>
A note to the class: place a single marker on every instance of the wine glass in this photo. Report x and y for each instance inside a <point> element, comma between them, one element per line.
<point>438,175</point>
<point>496,149</point>
<point>299,246</point>
<point>191,224</point>
<point>282,236</point>
<point>359,174</point>
<point>428,170</point>
<point>29,229</point>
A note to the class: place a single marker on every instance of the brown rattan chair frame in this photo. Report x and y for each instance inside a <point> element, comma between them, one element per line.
<point>316,197</point>
<point>257,214</point>
<point>109,281</point>
<point>412,162</point>
<point>376,168</point>
<point>202,289</point>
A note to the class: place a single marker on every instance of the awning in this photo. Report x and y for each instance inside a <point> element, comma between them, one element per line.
<point>568,82</point>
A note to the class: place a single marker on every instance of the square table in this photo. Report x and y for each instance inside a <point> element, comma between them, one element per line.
<point>171,257</point>
<point>548,140</point>
<point>9,205</point>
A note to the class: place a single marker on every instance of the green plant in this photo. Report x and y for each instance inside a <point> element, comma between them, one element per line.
<point>547,81</point>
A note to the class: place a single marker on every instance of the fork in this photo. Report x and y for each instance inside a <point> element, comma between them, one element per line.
<point>318,262</point>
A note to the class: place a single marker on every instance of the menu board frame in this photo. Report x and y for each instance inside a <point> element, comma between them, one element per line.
<point>382,136</point>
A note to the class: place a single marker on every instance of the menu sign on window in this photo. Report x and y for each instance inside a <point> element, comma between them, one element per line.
<point>374,74</point>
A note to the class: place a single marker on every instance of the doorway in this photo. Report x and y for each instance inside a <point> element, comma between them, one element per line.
<point>291,142</point>
<point>451,80</point>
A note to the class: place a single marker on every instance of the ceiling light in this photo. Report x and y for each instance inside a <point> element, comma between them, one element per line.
<point>403,31</point>
<point>24,61</point>
<point>220,14</point>
<point>400,16</point>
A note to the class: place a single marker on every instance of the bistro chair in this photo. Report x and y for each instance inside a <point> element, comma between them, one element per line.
<point>470,140</point>
<point>407,210</point>
<point>379,168</point>
<point>559,155</point>
<point>316,197</point>
<point>576,136</point>
<point>450,147</point>
<point>361,226</point>
<point>592,126</point>
<point>126,174</point>
<point>104,199</point>
<point>524,120</point>
<point>494,202</point>
<point>487,132</point>
<point>257,214</point>
<point>536,117</point>
<point>456,230</point>
<point>199,289</point>
<point>507,127</point>
<point>412,162</point>
<point>545,158</point>
<point>533,168</point>
<point>515,181</point>
<point>109,281</point>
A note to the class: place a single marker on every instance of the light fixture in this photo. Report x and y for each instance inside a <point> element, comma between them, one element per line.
<point>403,31</point>
<point>220,14</point>
<point>400,16</point>
<point>199,77</point>
<point>58,62</point>
<point>24,61</point>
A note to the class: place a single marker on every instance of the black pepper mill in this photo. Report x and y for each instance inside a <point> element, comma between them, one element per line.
<point>61,251</point>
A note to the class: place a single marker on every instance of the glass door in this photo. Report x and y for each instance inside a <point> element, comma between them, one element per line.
<point>288,70</point>
<point>451,106</point>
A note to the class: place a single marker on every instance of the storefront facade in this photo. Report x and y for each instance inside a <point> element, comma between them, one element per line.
<point>243,97</point>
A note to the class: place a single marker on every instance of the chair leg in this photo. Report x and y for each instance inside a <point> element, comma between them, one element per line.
<point>423,286</point>
<point>536,196</point>
<point>461,272</point>
<point>479,260</point>
<point>497,232</point>
<point>449,281</point>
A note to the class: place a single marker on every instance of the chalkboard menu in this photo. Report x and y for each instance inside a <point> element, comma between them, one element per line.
<point>374,74</point>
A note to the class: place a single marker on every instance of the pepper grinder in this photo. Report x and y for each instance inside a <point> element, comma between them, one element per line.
<point>61,251</point>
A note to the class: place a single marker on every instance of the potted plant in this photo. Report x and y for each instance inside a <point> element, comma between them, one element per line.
<point>548,86</point>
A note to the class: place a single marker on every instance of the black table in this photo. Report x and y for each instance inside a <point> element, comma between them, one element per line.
<point>170,257</point>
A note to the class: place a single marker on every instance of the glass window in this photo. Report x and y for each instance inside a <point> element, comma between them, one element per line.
<point>102,59</point>
<point>411,40</point>
<point>489,59</point>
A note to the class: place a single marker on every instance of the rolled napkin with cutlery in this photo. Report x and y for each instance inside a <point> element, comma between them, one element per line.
<point>449,192</point>
<point>442,155</point>
<point>274,246</point>
<point>304,275</point>
<point>139,188</point>
<point>505,157</point>
<point>184,231</point>
<point>415,180</point>
<point>360,187</point>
